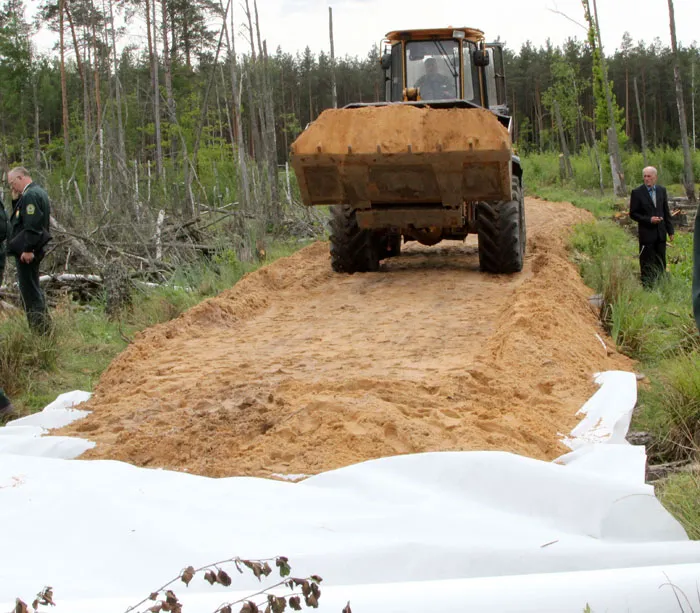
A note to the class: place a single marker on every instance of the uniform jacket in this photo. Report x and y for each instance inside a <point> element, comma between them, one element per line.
<point>29,223</point>
<point>642,210</point>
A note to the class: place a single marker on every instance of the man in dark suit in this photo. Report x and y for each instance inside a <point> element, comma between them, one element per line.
<point>649,208</point>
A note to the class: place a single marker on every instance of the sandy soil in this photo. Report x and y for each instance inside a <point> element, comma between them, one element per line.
<point>395,127</point>
<point>298,370</point>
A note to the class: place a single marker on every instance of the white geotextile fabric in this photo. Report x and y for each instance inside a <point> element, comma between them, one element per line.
<point>479,531</point>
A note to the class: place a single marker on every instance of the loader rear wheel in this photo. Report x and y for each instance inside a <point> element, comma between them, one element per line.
<point>501,231</point>
<point>352,248</point>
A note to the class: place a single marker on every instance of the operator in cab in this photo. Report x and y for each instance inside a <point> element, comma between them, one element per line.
<point>433,84</point>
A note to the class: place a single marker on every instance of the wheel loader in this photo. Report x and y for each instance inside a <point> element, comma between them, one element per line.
<point>433,162</point>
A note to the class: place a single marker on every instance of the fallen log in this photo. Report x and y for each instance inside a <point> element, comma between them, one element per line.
<point>661,471</point>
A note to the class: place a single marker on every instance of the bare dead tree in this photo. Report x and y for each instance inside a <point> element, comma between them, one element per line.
<point>117,89</point>
<point>334,89</point>
<point>688,178</point>
<point>568,170</point>
<point>153,54</point>
<point>64,88</point>
<point>641,123</point>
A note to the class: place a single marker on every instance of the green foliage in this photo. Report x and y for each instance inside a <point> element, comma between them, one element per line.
<point>600,78</point>
<point>564,91</point>
<point>23,354</point>
<point>33,367</point>
<point>668,162</point>
<point>542,170</point>
<point>680,494</point>
<point>670,407</point>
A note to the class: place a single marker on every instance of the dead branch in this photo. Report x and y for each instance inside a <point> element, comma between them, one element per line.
<point>77,244</point>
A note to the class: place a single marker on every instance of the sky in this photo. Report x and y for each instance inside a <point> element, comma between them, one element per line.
<point>361,24</point>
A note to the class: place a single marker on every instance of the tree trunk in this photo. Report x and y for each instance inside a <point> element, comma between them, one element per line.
<point>96,76</point>
<point>35,101</point>
<point>87,138</point>
<point>568,170</point>
<point>641,124</point>
<point>269,103</point>
<point>244,251</point>
<point>627,100</point>
<point>75,41</point>
<point>64,91</point>
<point>613,144</point>
<point>203,114</point>
<point>334,90</point>
<point>688,178</point>
<point>167,74</point>
<point>539,118</point>
<point>692,97</point>
<point>598,164</point>
<point>98,105</point>
<point>117,91</point>
<point>229,110</point>
<point>153,53</point>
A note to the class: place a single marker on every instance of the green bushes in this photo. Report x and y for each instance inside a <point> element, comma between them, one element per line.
<point>679,494</point>
<point>542,169</point>
<point>23,354</point>
<point>671,406</point>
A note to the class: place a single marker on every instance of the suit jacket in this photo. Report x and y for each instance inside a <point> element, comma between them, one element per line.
<point>642,210</point>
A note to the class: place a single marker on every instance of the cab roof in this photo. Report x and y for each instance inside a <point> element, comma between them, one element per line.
<point>471,34</point>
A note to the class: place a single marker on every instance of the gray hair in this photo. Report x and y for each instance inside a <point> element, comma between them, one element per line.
<point>652,170</point>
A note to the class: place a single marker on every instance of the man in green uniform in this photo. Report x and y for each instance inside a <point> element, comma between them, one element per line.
<point>29,233</point>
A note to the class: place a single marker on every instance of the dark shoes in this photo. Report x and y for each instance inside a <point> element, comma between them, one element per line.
<point>7,413</point>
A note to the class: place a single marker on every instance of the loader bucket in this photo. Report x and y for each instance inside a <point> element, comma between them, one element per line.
<point>403,155</point>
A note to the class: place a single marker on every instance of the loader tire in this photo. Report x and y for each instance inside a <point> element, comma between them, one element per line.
<point>517,191</point>
<point>501,231</point>
<point>352,248</point>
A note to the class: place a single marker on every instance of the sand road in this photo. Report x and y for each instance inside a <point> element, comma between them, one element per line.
<point>298,370</point>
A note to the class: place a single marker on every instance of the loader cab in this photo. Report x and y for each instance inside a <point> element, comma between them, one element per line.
<point>442,65</point>
<point>496,79</point>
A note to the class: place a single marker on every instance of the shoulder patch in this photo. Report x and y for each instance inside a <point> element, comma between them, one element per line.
<point>31,209</point>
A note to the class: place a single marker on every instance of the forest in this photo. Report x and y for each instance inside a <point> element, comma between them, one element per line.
<point>188,125</point>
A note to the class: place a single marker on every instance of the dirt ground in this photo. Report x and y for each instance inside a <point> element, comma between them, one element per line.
<point>298,370</point>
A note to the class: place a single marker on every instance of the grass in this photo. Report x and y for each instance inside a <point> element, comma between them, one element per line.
<point>655,327</point>
<point>35,369</point>
<point>679,496</point>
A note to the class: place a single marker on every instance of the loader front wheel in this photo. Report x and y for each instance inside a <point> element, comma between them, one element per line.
<point>352,248</point>
<point>501,231</point>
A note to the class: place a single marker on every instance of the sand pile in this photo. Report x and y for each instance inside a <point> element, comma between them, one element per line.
<point>395,127</point>
<point>299,370</point>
